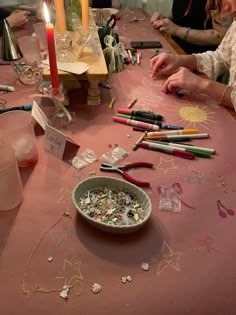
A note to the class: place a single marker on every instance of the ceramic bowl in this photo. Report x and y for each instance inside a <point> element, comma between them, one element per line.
<point>112,183</point>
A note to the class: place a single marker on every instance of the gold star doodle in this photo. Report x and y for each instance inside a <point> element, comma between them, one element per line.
<point>166,165</point>
<point>168,258</point>
<point>72,275</point>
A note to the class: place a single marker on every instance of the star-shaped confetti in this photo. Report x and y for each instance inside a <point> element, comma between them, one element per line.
<point>166,165</point>
<point>168,258</point>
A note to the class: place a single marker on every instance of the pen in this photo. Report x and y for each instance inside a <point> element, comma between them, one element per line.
<point>173,132</point>
<point>132,122</point>
<point>149,121</point>
<point>189,149</point>
<point>7,88</point>
<point>141,113</point>
<point>166,149</point>
<point>24,107</point>
<point>190,136</point>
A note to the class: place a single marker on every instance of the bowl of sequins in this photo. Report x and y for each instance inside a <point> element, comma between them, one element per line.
<point>112,205</point>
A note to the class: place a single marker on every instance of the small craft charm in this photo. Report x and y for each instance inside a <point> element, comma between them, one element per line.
<point>96,288</point>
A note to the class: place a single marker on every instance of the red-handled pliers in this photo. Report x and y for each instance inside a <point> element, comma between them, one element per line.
<point>121,170</point>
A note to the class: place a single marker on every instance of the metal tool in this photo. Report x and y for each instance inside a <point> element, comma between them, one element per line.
<point>121,169</point>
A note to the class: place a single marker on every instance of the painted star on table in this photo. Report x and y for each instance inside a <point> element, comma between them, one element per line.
<point>65,196</point>
<point>168,258</point>
<point>64,236</point>
<point>166,165</point>
<point>72,275</point>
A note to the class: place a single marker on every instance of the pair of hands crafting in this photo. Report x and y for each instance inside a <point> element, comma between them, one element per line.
<point>18,18</point>
<point>180,78</point>
<point>163,24</point>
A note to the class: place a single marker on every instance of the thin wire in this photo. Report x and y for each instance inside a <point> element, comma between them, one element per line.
<point>29,293</point>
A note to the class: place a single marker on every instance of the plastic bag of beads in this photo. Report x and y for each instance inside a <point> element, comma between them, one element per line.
<point>115,155</point>
<point>169,199</point>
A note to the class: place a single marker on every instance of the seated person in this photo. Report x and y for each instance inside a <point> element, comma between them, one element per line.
<point>180,68</point>
<point>191,27</point>
<point>15,18</point>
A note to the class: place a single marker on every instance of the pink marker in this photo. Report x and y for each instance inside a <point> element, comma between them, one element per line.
<point>162,148</point>
<point>135,123</point>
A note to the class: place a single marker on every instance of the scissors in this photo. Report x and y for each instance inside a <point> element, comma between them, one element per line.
<point>125,175</point>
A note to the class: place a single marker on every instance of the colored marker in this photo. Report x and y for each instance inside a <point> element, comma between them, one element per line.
<point>136,123</point>
<point>190,149</point>
<point>24,107</point>
<point>149,121</point>
<point>171,127</point>
<point>141,113</point>
<point>7,88</point>
<point>173,132</point>
<point>135,147</point>
<point>189,136</point>
<point>166,149</point>
<point>186,146</point>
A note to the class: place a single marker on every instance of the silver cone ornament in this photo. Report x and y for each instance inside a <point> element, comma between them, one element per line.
<point>10,48</point>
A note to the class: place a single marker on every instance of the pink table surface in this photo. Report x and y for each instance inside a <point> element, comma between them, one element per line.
<point>191,255</point>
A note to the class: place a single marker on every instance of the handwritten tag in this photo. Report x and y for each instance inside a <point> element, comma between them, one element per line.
<point>54,141</point>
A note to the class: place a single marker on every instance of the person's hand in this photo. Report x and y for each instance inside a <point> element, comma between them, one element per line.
<point>184,79</point>
<point>156,17</point>
<point>18,18</point>
<point>165,25</point>
<point>165,64</point>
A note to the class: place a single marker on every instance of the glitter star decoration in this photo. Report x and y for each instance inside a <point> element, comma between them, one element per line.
<point>168,258</point>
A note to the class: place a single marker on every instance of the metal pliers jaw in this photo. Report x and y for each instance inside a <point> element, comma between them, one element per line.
<point>121,169</point>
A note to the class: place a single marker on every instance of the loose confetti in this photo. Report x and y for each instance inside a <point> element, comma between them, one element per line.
<point>96,288</point>
<point>145,266</point>
<point>114,207</point>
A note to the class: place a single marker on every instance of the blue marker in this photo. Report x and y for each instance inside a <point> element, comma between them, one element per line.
<point>24,107</point>
<point>170,127</point>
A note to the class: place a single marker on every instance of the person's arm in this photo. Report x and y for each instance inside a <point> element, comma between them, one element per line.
<point>220,92</point>
<point>186,80</point>
<point>210,37</point>
<point>166,64</point>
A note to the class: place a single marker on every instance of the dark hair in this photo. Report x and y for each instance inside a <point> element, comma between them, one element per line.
<point>212,5</point>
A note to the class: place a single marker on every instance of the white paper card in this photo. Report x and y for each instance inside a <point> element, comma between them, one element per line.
<point>54,141</point>
<point>39,115</point>
<point>72,67</point>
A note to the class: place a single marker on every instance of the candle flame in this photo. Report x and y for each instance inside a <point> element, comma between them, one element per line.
<point>46,13</point>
